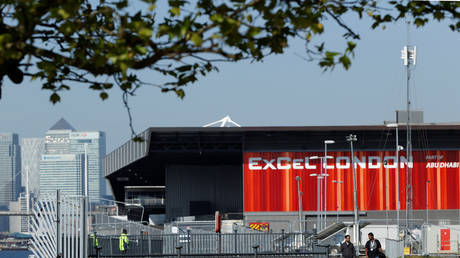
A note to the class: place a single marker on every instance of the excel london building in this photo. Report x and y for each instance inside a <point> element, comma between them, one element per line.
<point>262,174</point>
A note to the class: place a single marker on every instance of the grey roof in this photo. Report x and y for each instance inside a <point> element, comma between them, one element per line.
<point>62,124</point>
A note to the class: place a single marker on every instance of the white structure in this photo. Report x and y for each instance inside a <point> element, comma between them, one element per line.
<point>58,228</point>
<point>224,122</point>
<point>31,151</point>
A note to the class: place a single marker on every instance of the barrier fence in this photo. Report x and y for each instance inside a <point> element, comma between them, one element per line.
<point>269,244</point>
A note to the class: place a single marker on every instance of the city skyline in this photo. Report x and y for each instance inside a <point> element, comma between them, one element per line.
<point>61,143</point>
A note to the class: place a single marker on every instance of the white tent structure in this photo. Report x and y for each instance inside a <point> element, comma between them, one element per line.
<point>224,122</point>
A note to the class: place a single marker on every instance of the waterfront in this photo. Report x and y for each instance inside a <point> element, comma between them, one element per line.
<point>14,254</point>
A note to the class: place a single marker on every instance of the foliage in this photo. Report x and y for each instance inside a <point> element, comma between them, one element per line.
<point>102,43</point>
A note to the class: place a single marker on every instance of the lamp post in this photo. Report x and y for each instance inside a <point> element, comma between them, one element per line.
<point>352,138</point>
<point>319,189</point>
<point>427,182</point>
<point>297,178</point>
<point>318,183</point>
<point>398,148</point>
<point>338,183</point>
<point>326,142</point>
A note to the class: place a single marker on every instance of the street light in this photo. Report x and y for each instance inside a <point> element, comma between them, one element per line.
<point>300,203</point>
<point>338,183</point>
<point>318,183</point>
<point>398,148</point>
<point>320,189</point>
<point>427,182</point>
<point>352,138</point>
<point>326,142</point>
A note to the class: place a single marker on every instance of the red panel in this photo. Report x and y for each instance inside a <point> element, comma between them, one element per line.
<point>270,185</point>
<point>445,239</point>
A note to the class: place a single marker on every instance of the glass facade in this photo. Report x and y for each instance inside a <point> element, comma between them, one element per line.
<point>95,142</point>
<point>10,167</point>
<point>61,171</point>
<point>31,151</point>
<point>19,223</point>
<point>63,161</point>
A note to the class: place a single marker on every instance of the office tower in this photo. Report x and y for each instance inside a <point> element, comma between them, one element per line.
<point>31,151</point>
<point>64,155</point>
<point>19,223</point>
<point>61,171</point>
<point>10,167</point>
<point>95,142</point>
<point>57,138</point>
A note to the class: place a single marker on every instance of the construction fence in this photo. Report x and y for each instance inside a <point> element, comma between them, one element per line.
<point>271,244</point>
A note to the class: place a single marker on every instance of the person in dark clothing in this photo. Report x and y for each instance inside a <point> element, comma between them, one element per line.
<point>347,248</point>
<point>373,247</point>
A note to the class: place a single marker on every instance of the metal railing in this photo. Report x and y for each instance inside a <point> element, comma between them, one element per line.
<point>268,244</point>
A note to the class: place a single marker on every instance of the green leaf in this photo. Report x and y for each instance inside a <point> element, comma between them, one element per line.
<point>196,39</point>
<point>55,98</point>
<point>331,54</point>
<point>64,87</point>
<point>217,18</point>
<point>145,33</point>
<point>96,87</point>
<point>104,95</point>
<point>184,68</point>
<point>63,13</point>
<point>345,62</point>
<point>175,11</point>
<point>180,93</point>
<point>141,50</point>
<point>351,47</point>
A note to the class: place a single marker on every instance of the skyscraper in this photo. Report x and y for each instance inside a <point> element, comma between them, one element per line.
<point>95,142</point>
<point>31,151</point>
<point>57,138</point>
<point>10,167</point>
<point>63,161</point>
<point>19,223</point>
<point>61,171</point>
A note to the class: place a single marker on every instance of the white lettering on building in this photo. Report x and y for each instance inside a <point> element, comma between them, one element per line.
<point>341,162</point>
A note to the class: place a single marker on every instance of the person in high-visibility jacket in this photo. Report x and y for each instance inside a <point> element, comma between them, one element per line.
<point>124,241</point>
<point>94,240</point>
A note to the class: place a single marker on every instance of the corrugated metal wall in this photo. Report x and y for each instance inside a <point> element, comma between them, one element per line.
<point>219,185</point>
<point>126,154</point>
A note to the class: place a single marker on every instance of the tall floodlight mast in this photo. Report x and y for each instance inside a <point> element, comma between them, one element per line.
<point>409,57</point>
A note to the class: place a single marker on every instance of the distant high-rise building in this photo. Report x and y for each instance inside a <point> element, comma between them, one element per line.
<point>95,142</point>
<point>19,223</point>
<point>61,171</point>
<point>10,167</point>
<point>31,151</point>
<point>57,138</point>
<point>64,147</point>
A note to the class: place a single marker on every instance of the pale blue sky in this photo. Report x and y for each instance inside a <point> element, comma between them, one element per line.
<point>283,90</point>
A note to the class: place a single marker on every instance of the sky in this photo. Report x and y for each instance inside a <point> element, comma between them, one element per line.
<point>283,90</point>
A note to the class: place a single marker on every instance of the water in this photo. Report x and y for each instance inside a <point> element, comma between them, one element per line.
<point>14,254</point>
